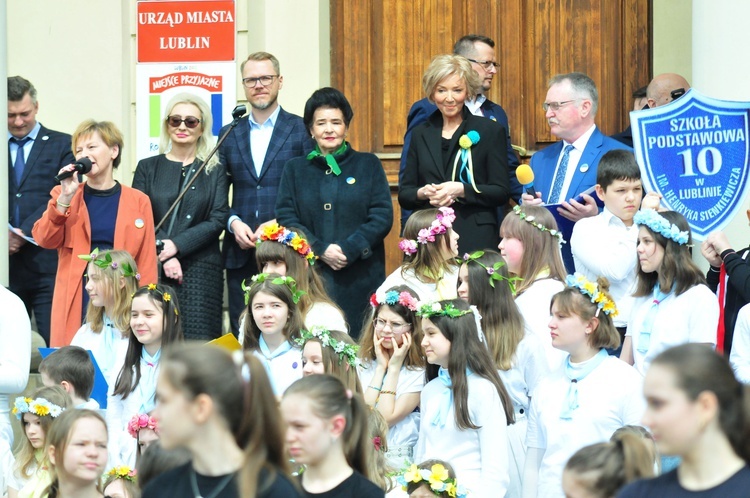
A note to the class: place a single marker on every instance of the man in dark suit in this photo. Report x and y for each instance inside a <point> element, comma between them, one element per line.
<point>566,169</point>
<point>35,155</point>
<point>255,153</point>
<point>480,50</point>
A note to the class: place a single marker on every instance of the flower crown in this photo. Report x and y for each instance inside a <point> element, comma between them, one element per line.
<point>122,472</point>
<point>276,233</point>
<point>436,476</point>
<point>429,310</point>
<point>346,352</point>
<point>39,407</point>
<point>393,298</point>
<point>591,290</point>
<point>106,262</point>
<point>531,221</point>
<point>281,280</point>
<point>659,224</point>
<point>492,271</point>
<point>141,421</point>
<point>443,221</point>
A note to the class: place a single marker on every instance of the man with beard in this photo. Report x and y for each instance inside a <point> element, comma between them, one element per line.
<point>254,154</point>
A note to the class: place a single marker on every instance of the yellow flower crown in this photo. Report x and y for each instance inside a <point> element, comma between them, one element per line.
<point>122,472</point>
<point>436,476</point>
<point>591,290</point>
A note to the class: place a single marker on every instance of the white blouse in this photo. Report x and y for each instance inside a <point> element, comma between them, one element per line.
<point>529,367</point>
<point>479,457</point>
<point>690,317</point>
<point>608,397</point>
<point>426,291</point>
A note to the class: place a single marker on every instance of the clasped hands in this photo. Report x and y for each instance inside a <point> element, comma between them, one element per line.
<point>441,194</point>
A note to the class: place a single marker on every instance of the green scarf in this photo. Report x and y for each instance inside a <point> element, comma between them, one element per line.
<point>330,159</point>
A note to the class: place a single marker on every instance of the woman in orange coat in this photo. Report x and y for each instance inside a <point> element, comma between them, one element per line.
<point>82,216</point>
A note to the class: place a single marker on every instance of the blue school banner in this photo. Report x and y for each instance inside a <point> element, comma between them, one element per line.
<point>694,152</point>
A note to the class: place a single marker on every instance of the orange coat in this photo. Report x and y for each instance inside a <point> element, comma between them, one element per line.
<point>70,234</point>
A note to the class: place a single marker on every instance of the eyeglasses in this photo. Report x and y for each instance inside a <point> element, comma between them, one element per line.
<point>263,80</point>
<point>676,94</point>
<point>555,106</point>
<point>176,121</point>
<point>396,328</point>
<point>485,64</point>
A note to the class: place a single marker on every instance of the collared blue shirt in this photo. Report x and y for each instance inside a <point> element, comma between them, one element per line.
<point>260,138</point>
<point>13,147</point>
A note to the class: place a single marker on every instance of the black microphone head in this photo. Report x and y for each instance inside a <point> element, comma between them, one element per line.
<point>83,165</point>
<point>239,111</point>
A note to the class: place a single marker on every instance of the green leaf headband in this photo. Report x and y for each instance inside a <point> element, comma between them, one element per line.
<point>531,220</point>
<point>346,352</point>
<point>429,310</point>
<point>492,271</point>
<point>106,262</point>
<point>262,277</point>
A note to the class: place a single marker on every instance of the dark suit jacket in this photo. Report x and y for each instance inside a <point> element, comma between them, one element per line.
<point>254,197</point>
<point>544,162</point>
<point>51,151</point>
<point>422,109</point>
<point>476,215</point>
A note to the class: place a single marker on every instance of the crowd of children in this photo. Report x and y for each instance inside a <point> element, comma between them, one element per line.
<point>490,374</point>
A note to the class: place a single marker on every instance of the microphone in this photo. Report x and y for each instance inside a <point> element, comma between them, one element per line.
<point>82,165</point>
<point>525,177</point>
<point>239,111</point>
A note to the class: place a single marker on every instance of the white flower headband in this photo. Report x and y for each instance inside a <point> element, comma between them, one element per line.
<point>39,407</point>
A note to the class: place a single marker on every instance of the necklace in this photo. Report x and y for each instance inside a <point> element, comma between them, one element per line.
<point>217,489</point>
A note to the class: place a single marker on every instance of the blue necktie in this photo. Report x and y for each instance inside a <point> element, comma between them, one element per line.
<point>557,184</point>
<point>18,167</point>
<point>20,162</point>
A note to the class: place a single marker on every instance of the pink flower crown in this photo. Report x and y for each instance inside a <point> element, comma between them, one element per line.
<point>443,221</point>
<point>393,297</point>
<point>141,421</point>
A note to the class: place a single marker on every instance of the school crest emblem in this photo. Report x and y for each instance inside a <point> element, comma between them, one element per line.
<point>694,152</point>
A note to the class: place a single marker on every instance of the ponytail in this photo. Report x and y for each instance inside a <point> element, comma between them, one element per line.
<point>604,468</point>
<point>329,397</point>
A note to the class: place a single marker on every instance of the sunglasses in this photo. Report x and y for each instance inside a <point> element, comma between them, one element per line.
<point>189,121</point>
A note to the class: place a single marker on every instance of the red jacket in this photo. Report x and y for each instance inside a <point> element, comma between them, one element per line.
<point>70,234</point>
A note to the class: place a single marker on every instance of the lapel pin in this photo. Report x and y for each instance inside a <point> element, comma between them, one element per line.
<point>139,223</point>
<point>351,180</point>
<point>584,168</point>
<point>45,137</point>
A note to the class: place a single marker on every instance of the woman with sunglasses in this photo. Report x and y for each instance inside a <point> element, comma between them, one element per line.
<point>188,241</point>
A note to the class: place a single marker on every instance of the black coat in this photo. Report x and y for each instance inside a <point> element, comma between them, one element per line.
<point>200,220</point>
<point>476,213</point>
<point>353,210</point>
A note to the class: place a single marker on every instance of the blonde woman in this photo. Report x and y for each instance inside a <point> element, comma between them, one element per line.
<point>188,241</point>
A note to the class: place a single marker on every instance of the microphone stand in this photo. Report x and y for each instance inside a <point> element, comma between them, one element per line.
<point>237,113</point>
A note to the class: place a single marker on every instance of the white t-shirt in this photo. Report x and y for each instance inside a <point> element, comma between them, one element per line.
<point>529,367</point>
<point>479,457</point>
<point>602,410</point>
<point>690,317</point>
<point>427,292</point>
<point>406,431</point>
<point>740,355</point>
<point>534,304</point>
<point>603,246</point>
